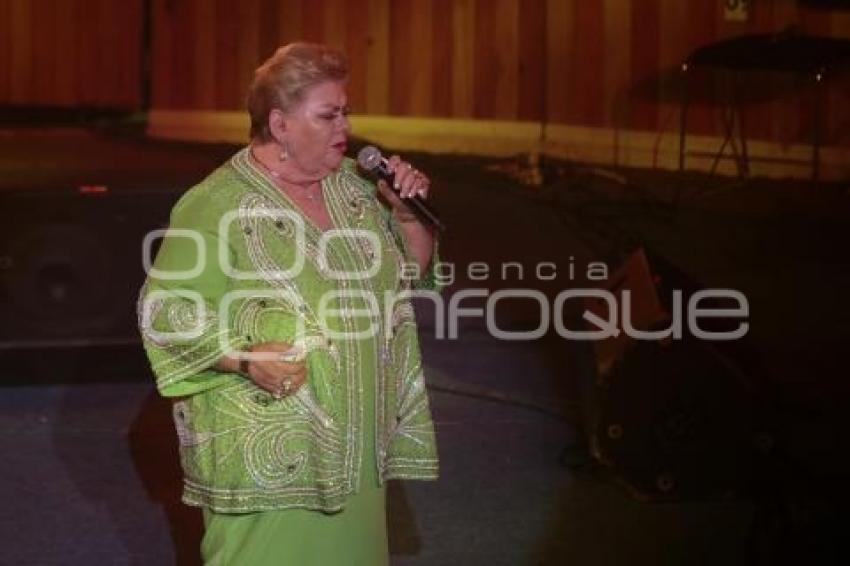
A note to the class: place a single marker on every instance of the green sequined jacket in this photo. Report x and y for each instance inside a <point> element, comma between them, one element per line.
<point>240,265</point>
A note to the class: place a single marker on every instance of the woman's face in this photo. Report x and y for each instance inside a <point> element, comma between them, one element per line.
<point>317,129</point>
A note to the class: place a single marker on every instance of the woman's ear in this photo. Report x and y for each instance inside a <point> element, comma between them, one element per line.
<point>277,124</point>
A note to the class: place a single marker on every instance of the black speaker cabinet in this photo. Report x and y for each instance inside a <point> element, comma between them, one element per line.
<point>674,421</point>
<point>71,264</point>
<point>671,419</point>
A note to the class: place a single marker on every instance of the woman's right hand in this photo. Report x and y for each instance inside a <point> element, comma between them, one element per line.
<point>280,368</point>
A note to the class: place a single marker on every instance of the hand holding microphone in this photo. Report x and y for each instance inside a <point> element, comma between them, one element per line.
<point>410,186</point>
<point>407,180</point>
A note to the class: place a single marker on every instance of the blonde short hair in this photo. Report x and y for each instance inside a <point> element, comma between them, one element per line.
<point>283,79</point>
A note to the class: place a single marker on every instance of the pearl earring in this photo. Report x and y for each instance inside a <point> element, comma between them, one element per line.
<point>284,153</point>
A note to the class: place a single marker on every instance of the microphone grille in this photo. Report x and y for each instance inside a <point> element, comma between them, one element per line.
<point>369,157</point>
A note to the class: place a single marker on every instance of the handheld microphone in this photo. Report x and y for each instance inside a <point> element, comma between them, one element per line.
<point>370,159</point>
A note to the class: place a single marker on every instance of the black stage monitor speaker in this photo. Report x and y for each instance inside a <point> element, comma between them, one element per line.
<point>71,264</point>
<point>671,419</point>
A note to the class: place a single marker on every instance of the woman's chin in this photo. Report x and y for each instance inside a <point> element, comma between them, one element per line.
<point>335,161</point>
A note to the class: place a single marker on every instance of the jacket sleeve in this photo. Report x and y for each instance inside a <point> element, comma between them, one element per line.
<point>183,329</point>
<point>430,280</point>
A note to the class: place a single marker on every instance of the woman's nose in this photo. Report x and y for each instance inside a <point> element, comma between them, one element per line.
<point>345,124</point>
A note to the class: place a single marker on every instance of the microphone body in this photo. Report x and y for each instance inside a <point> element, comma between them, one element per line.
<point>370,159</point>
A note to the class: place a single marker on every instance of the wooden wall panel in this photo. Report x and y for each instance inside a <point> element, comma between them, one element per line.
<point>838,101</point>
<point>337,23</point>
<point>357,48</point>
<point>643,44</point>
<point>401,64</point>
<point>162,65</point>
<point>66,26</point>
<point>463,58</point>
<point>313,21</point>
<point>122,47</point>
<point>701,26</point>
<point>815,21</point>
<point>505,35</point>
<point>227,85</point>
<point>248,55</point>
<point>20,54</point>
<point>609,63</point>
<point>484,62</point>
<point>441,58</point>
<point>377,57</point>
<point>44,57</point>
<point>760,115</point>
<point>70,53</point>
<point>184,95</point>
<point>418,45</point>
<point>5,49</point>
<point>289,20</point>
<point>269,30</point>
<point>588,64</point>
<point>203,48</point>
<point>617,68</point>
<point>560,48</point>
<point>496,59</point>
<point>89,57</point>
<point>532,60</point>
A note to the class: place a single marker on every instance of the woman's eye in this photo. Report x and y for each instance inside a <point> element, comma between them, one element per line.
<point>342,113</point>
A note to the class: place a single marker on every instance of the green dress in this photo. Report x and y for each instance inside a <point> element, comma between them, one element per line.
<point>298,480</point>
<point>355,536</point>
